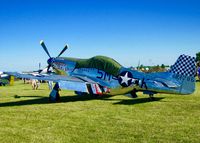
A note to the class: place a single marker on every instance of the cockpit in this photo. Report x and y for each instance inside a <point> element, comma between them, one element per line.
<point>106,64</point>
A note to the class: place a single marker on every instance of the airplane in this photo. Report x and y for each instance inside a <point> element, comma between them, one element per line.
<point>2,74</point>
<point>101,75</point>
<point>5,79</point>
<point>38,72</point>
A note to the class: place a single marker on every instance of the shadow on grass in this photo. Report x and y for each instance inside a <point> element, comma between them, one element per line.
<point>29,96</point>
<point>41,100</point>
<point>45,100</point>
<point>138,101</point>
<point>65,99</point>
<point>33,90</point>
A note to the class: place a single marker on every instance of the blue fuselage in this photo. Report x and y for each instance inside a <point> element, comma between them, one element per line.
<point>125,81</point>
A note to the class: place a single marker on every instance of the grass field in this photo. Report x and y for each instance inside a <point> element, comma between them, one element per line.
<point>83,119</point>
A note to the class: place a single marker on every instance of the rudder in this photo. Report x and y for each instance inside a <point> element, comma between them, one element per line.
<point>184,70</point>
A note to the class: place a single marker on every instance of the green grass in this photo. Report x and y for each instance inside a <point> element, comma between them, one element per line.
<point>31,118</point>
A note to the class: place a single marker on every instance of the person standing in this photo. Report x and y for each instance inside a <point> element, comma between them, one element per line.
<point>50,84</point>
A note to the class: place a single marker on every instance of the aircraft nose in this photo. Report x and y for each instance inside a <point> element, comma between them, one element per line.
<point>50,61</point>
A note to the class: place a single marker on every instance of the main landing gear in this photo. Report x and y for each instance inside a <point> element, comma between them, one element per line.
<point>133,93</point>
<point>54,95</point>
<point>151,98</point>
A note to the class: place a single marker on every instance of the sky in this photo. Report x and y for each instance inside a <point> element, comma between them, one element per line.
<point>151,32</point>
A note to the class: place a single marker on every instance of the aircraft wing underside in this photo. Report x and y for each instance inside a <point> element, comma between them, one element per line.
<point>65,82</point>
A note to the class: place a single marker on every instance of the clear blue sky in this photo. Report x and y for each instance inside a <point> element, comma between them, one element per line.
<point>152,31</point>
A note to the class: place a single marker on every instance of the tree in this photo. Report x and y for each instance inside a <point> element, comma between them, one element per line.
<point>162,66</point>
<point>141,66</point>
<point>198,57</point>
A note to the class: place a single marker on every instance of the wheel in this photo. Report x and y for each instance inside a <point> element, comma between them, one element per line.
<point>133,93</point>
<point>151,98</point>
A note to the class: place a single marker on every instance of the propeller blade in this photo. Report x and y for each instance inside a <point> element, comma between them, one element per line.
<point>45,48</point>
<point>49,66</point>
<point>65,48</point>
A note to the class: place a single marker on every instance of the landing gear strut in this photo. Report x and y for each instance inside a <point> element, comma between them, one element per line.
<point>133,93</point>
<point>54,95</point>
<point>151,98</point>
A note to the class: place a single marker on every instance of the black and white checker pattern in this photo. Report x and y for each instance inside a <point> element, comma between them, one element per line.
<point>185,65</point>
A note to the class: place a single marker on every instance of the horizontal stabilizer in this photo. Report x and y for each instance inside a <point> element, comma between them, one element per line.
<point>167,83</point>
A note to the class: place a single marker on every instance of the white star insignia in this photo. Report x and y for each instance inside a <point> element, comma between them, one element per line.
<point>125,79</point>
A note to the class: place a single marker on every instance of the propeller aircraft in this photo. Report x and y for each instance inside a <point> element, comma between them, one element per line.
<point>5,79</point>
<point>102,75</point>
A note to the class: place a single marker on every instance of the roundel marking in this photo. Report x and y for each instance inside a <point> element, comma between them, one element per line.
<point>125,78</point>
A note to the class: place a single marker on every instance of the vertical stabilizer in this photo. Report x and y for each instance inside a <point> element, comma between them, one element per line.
<point>184,71</point>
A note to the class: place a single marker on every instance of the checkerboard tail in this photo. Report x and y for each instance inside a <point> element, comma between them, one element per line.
<point>183,71</point>
<point>185,65</point>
